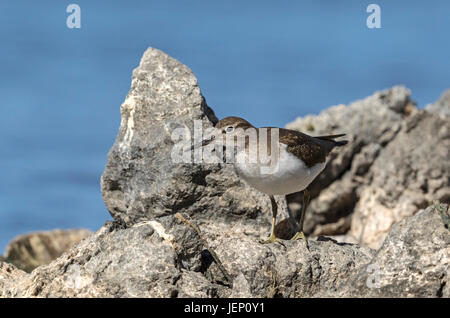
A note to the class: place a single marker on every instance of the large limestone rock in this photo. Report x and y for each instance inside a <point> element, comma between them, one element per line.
<point>370,124</point>
<point>414,260</point>
<point>118,262</point>
<point>147,251</point>
<point>409,174</point>
<point>29,251</point>
<point>442,106</point>
<point>184,230</point>
<point>141,181</point>
<point>144,261</point>
<point>289,270</point>
<point>395,164</point>
<point>10,280</point>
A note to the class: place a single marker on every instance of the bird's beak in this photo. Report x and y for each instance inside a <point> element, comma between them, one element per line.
<point>204,142</point>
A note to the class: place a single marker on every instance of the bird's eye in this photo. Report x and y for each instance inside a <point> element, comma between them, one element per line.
<point>229,129</point>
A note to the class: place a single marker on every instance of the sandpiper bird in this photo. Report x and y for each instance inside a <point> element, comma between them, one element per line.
<point>297,160</point>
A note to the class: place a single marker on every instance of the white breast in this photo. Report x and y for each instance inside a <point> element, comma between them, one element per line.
<point>285,176</point>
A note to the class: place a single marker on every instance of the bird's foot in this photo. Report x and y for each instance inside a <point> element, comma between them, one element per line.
<point>271,239</point>
<point>300,235</point>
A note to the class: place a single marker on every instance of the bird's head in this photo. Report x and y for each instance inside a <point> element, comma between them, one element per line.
<point>227,127</point>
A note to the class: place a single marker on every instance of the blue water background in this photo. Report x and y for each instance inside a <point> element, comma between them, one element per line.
<point>270,62</point>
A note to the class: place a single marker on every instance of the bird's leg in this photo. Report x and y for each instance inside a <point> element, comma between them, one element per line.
<point>272,237</point>
<point>305,203</point>
<point>291,216</point>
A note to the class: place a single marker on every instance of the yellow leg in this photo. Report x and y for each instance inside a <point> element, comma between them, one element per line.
<point>300,235</point>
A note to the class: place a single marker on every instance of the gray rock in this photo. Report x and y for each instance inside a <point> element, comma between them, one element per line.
<point>148,252</point>
<point>117,262</point>
<point>442,106</point>
<point>141,182</point>
<point>146,261</point>
<point>414,261</point>
<point>29,251</point>
<point>11,279</point>
<point>409,174</point>
<point>395,164</point>
<point>184,230</point>
<point>289,270</point>
<point>370,124</point>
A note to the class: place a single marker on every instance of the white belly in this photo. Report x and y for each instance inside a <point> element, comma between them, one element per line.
<point>288,176</point>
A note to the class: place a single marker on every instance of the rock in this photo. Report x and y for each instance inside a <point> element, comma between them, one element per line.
<point>409,174</point>
<point>11,279</point>
<point>149,251</point>
<point>142,182</point>
<point>29,251</point>
<point>414,261</point>
<point>142,261</point>
<point>291,270</point>
<point>395,164</point>
<point>370,124</point>
<point>118,262</point>
<point>442,106</point>
<point>192,230</point>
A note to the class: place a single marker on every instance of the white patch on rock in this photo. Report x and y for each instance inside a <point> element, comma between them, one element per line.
<point>160,230</point>
<point>128,106</point>
<point>75,279</point>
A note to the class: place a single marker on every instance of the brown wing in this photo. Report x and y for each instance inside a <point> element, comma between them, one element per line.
<point>304,147</point>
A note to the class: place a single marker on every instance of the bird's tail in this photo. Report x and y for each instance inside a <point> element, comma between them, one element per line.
<point>332,137</point>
